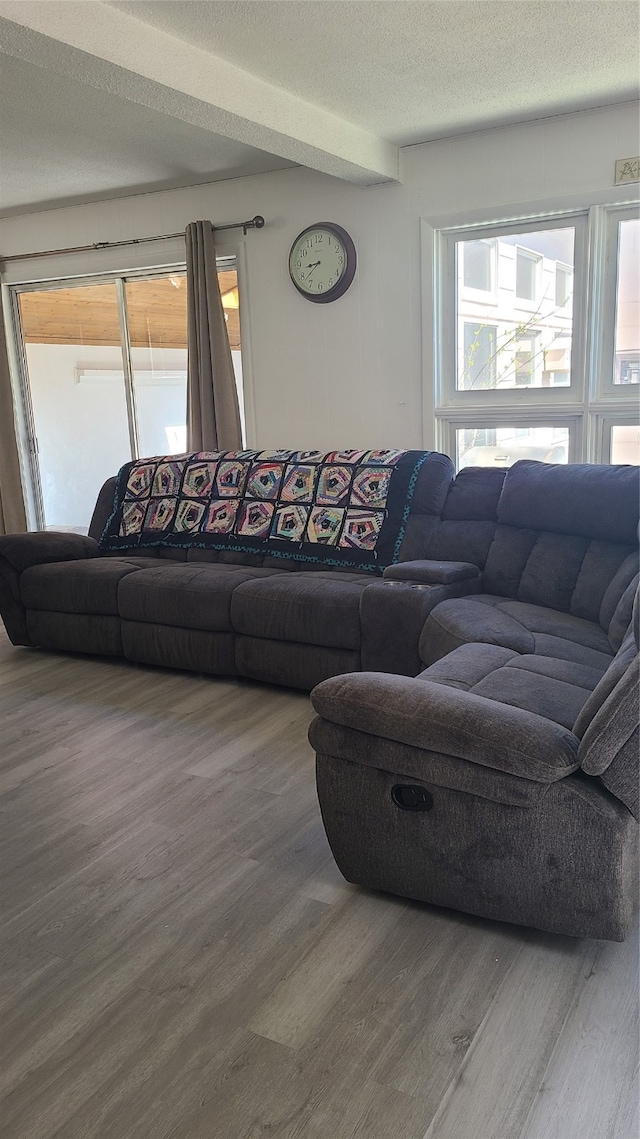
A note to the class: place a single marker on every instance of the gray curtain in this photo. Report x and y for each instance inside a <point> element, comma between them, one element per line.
<point>13,519</point>
<point>213,417</point>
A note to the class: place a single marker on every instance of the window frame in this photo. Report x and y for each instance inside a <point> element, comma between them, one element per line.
<point>603,387</point>
<point>448,396</point>
<point>603,426</point>
<point>589,402</point>
<point>571,422</point>
<point>226,258</point>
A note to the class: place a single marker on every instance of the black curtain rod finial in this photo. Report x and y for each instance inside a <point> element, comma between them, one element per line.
<point>256,223</point>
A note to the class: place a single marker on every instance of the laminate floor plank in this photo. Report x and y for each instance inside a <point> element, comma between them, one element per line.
<point>506,1062</point>
<point>590,1089</point>
<point>351,935</point>
<point>412,1012</point>
<point>181,958</point>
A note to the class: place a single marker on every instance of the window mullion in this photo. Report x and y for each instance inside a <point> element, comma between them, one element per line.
<point>599,329</point>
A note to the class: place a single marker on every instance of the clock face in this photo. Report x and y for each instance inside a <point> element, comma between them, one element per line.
<point>322,262</point>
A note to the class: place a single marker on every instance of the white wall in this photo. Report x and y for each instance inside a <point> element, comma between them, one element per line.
<point>347,373</point>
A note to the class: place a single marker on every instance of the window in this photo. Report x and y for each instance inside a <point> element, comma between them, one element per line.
<point>563,285</point>
<point>553,350</point>
<point>498,345</point>
<point>478,265</point>
<point>473,437</point>
<point>625,443</point>
<point>546,443</point>
<point>526,275</point>
<point>105,380</point>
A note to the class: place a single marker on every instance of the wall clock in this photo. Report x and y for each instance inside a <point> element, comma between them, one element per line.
<point>322,262</point>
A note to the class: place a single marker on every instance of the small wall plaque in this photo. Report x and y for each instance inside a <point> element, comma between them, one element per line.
<point>627,170</point>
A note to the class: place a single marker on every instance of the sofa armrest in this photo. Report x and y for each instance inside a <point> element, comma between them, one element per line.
<point>440,719</point>
<point>24,550</point>
<point>428,572</point>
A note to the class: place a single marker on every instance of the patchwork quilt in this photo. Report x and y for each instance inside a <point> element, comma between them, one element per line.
<point>335,508</point>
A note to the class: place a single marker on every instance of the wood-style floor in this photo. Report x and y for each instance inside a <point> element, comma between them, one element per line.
<point>182,960</point>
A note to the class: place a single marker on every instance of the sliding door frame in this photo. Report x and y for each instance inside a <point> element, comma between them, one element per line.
<point>27,435</point>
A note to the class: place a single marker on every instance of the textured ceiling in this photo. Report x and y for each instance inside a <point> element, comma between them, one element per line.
<point>62,141</point>
<point>414,70</point>
<point>103,99</point>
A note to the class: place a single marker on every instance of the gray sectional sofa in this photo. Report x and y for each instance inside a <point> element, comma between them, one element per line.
<point>488,676</point>
<point>221,612</point>
<point>503,778</point>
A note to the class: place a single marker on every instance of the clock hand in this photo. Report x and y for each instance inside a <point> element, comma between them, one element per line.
<point>310,268</point>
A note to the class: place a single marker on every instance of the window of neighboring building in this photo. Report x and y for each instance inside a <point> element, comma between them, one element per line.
<point>478,265</point>
<point>564,281</point>
<point>527,264</point>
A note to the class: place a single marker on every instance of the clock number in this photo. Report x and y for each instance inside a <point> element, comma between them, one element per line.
<point>318,238</point>
<point>304,252</point>
<point>340,260</point>
<point>320,286</point>
<point>298,264</point>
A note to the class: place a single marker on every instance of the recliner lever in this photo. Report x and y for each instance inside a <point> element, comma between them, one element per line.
<point>410,797</point>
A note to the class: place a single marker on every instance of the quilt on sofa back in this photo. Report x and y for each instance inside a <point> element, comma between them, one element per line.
<point>333,508</point>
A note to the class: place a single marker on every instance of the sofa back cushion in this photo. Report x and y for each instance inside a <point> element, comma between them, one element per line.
<point>466,525</point>
<point>566,539</point>
<point>102,508</point>
<point>582,499</point>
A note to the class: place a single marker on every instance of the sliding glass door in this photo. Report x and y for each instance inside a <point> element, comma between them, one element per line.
<point>105,380</point>
<point>78,404</point>
<point>156,312</point>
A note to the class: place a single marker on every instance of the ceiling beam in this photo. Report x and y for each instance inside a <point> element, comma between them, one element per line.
<point>115,52</point>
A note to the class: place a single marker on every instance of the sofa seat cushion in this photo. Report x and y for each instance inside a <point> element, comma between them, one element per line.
<point>192,595</point>
<point>89,586</point>
<point>517,625</point>
<point>554,688</point>
<point>320,608</point>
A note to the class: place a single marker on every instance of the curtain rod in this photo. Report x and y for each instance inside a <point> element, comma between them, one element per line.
<point>256,223</point>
